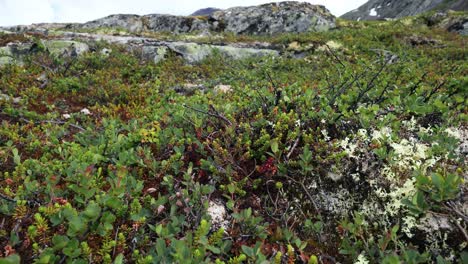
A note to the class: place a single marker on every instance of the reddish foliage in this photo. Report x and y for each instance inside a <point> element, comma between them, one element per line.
<point>60,200</point>
<point>9,181</point>
<point>269,167</point>
<point>9,250</point>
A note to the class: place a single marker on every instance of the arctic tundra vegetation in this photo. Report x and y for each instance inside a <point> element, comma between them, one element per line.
<point>265,134</point>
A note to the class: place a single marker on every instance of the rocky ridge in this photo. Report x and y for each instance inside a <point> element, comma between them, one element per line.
<point>273,18</point>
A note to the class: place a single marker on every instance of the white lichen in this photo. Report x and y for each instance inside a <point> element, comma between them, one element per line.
<point>217,213</point>
<point>85,111</point>
<point>361,259</point>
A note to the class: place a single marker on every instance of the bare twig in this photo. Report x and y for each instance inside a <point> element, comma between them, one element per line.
<point>278,91</point>
<point>293,147</point>
<point>6,198</point>
<point>451,207</point>
<point>53,122</point>
<point>45,67</point>
<point>462,230</point>
<point>115,239</point>
<point>307,193</point>
<point>211,113</point>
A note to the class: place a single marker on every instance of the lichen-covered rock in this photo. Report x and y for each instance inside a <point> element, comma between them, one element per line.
<point>155,53</point>
<point>65,47</point>
<point>175,24</point>
<point>274,18</point>
<point>271,18</point>
<point>193,52</point>
<point>12,53</point>
<point>132,23</point>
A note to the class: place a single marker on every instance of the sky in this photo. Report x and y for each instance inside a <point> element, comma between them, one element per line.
<point>25,12</point>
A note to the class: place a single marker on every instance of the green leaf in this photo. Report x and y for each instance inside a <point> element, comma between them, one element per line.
<point>391,260</point>
<point>114,203</point>
<point>274,146</point>
<point>158,229</point>
<point>16,156</point>
<point>13,259</point>
<point>248,251</point>
<point>73,249</point>
<point>76,225</point>
<point>60,242</point>
<point>214,249</point>
<point>464,257</point>
<point>92,211</point>
<point>441,260</point>
<point>395,232</point>
<point>119,259</point>
<point>438,180</point>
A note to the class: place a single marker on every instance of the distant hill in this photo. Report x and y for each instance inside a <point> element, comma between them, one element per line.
<point>205,11</point>
<point>382,9</point>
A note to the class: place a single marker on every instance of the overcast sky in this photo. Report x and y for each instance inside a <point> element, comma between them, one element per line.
<point>22,12</point>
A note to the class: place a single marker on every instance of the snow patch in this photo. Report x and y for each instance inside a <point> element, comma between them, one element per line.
<point>373,12</point>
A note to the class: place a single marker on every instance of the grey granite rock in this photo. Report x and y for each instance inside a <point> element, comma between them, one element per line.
<point>274,18</point>
<point>283,17</point>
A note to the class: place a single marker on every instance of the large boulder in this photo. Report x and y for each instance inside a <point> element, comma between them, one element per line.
<point>283,17</point>
<point>65,47</point>
<point>14,52</point>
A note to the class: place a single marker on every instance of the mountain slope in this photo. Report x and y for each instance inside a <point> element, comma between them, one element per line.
<point>205,11</point>
<point>381,9</point>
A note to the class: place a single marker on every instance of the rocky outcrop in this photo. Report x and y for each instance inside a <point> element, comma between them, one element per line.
<point>384,9</point>
<point>274,18</point>
<point>15,51</point>
<point>283,17</point>
<point>132,23</point>
<point>445,20</point>
<point>75,44</point>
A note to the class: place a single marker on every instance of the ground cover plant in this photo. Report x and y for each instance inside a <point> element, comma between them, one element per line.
<point>353,153</point>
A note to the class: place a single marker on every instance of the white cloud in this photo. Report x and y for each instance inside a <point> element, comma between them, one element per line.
<point>14,12</point>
